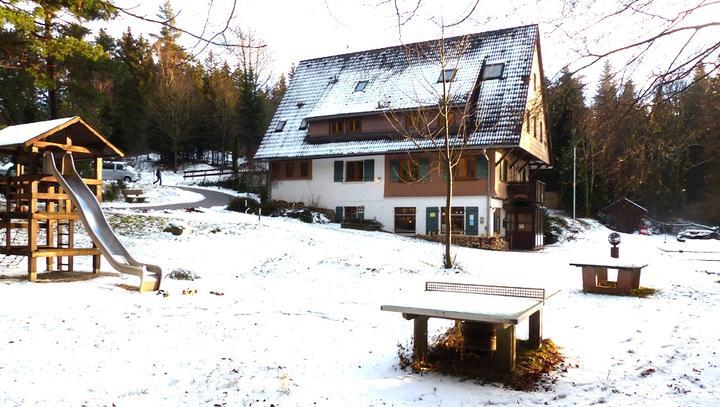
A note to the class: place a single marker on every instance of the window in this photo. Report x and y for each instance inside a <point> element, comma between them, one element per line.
<point>304,169</point>
<point>336,126</point>
<point>280,125</point>
<point>447,75</point>
<point>457,220</point>
<point>404,220</point>
<point>108,166</point>
<point>275,170</point>
<point>504,171</point>
<point>360,86</point>
<point>353,171</point>
<point>466,169</point>
<point>303,124</point>
<point>353,125</point>
<point>527,121</point>
<point>409,170</point>
<point>534,126</point>
<point>289,169</point>
<point>524,222</point>
<point>493,71</point>
<point>354,213</point>
<point>542,131</point>
<point>535,87</point>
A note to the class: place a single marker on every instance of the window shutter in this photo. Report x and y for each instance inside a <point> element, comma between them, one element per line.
<point>424,169</point>
<point>369,170</point>
<point>338,171</point>
<point>394,170</point>
<point>481,167</point>
<point>338,213</point>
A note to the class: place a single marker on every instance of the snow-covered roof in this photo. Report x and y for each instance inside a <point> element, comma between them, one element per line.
<point>22,133</point>
<point>55,132</point>
<point>405,77</point>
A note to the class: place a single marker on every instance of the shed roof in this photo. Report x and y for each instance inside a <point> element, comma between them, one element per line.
<point>626,203</point>
<point>405,77</point>
<point>84,135</point>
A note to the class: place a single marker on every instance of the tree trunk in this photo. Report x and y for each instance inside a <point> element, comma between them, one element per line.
<point>448,215</point>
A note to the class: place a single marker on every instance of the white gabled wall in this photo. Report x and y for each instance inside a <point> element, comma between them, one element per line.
<point>324,192</point>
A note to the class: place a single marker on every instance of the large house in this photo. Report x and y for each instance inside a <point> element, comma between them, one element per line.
<point>338,139</point>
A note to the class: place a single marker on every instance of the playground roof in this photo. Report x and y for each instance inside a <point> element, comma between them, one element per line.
<point>54,133</point>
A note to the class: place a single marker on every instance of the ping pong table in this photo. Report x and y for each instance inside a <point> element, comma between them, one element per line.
<point>501,307</point>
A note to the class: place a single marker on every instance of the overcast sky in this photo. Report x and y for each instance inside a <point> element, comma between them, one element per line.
<point>297,30</point>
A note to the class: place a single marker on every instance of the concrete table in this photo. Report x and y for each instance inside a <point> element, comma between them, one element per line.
<point>595,276</point>
<point>501,311</point>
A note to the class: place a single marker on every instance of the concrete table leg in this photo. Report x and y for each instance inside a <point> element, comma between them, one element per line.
<point>535,329</point>
<point>505,353</point>
<point>420,343</point>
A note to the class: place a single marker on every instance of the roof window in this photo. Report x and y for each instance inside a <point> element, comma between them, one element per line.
<point>447,75</point>
<point>303,124</point>
<point>280,125</point>
<point>360,86</point>
<point>493,71</point>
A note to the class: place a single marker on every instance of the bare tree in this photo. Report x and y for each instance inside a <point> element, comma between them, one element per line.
<point>442,123</point>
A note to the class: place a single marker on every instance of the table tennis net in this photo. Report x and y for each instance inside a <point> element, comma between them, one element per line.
<point>524,292</point>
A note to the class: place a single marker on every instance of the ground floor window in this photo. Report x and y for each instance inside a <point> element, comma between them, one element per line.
<point>457,220</point>
<point>405,220</point>
<point>354,213</point>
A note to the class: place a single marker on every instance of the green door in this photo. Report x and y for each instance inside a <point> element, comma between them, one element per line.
<point>471,220</point>
<point>431,221</point>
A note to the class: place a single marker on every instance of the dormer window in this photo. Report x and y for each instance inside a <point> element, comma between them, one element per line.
<point>280,125</point>
<point>493,71</point>
<point>447,75</point>
<point>360,86</point>
<point>303,125</point>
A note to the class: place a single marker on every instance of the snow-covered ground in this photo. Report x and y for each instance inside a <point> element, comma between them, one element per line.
<point>299,321</point>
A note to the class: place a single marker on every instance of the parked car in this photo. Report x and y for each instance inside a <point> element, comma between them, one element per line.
<point>114,170</point>
<point>699,234</point>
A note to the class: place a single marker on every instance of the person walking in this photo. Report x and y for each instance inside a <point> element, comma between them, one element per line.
<point>158,177</point>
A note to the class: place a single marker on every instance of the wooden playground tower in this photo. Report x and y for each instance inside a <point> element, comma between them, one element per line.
<point>36,202</point>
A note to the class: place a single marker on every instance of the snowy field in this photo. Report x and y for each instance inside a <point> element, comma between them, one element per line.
<point>299,321</point>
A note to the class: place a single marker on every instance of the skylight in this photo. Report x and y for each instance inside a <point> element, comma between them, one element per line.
<point>447,75</point>
<point>280,125</point>
<point>303,124</point>
<point>360,86</point>
<point>493,71</point>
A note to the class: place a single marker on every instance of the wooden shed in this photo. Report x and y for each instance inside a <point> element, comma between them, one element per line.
<point>624,215</point>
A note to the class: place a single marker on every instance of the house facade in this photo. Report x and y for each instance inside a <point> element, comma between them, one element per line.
<point>356,133</point>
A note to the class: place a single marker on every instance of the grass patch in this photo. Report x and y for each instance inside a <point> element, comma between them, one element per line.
<point>534,369</point>
<point>136,225</point>
<point>476,242</point>
<point>642,292</point>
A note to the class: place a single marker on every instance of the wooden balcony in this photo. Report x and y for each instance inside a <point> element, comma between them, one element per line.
<point>529,192</point>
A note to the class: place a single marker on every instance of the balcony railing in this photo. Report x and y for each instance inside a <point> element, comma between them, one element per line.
<point>531,192</point>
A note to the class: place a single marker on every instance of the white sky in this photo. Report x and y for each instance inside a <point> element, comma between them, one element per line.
<point>297,30</point>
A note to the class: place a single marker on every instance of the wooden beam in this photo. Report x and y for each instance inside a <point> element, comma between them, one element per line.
<point>66,147</point>
<point>420,343</point>
<point>503,157</point>
<point>55,252</point>
<point>56,216</point>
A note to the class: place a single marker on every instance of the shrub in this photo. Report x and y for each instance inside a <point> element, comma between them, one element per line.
<point>112,191</point>
<point>552,228</point>
<point>475,242</point>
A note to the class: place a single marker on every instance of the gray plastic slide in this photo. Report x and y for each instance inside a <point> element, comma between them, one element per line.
<point>97,225</point>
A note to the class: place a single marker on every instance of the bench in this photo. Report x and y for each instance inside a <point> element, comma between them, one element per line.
<point>134,195</point>
<point>595,277</point>
<point>495,312</point>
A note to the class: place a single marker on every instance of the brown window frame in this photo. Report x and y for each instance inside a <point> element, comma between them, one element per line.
<point>457,218</point>
<point>336,126</point>
<point>304,169</point>
<point>353,125</point>
<point>407,216</point>
<point>355,210</point>
<point>408,170</point>
<point>289,169</point>
<point>354,171</point>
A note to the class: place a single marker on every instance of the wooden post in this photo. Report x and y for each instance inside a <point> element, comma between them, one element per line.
<point>32,232</point>
<point>420,343</point>
<point>50,231</point>
<point>96,262</point>
<point>505,353</point>
<point>535,329</point>
<point>98,175</point>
